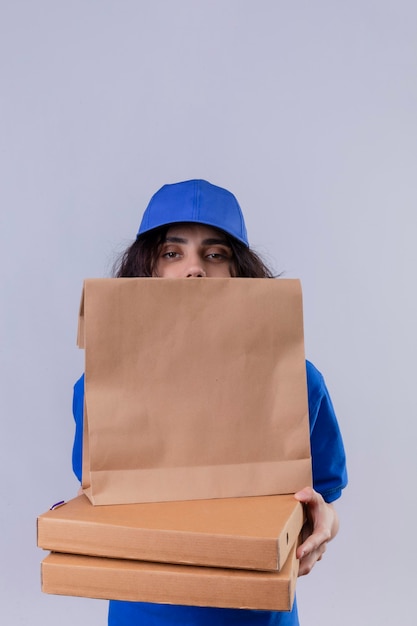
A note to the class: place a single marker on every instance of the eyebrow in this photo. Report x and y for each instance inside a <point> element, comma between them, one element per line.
<point>211,241</point>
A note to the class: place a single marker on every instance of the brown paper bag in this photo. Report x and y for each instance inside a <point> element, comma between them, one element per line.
<point>194,389</point>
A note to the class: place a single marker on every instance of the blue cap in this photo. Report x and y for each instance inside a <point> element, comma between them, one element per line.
<point>195,201</point>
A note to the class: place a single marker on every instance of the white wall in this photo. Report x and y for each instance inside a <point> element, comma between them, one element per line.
<point>307,111</point>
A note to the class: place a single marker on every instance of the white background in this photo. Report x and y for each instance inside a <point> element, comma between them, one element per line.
<point>307,111</point>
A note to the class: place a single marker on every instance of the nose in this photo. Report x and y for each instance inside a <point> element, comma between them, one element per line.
<point>194,266</point>
<point>196,271</point>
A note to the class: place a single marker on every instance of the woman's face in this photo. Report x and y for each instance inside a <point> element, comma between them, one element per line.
<point>194,251</point>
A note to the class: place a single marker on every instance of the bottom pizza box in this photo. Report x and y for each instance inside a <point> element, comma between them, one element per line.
<point>139,581</point>
<point>255,533</point>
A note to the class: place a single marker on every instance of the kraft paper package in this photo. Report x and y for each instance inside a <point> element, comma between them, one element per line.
<point>194,389</point>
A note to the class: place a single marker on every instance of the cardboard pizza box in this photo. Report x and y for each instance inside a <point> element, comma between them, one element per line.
<point>255,533</point>
<point>139,581</point>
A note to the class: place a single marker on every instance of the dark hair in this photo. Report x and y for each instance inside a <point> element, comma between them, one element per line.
<point>140,258</point>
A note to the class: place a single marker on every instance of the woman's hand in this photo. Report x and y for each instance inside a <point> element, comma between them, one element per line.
<point>320,527</point>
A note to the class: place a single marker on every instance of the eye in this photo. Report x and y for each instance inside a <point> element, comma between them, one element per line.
<point>170,252</point>
<point>219,254</point>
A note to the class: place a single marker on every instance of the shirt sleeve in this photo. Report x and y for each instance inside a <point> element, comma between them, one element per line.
<point>327,449</point>
<point>78,412</point>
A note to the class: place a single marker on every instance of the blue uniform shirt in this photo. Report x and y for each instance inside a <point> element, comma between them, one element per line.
<point>329,478</point>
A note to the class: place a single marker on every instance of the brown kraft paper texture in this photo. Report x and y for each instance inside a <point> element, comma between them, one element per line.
<point>194,389</point>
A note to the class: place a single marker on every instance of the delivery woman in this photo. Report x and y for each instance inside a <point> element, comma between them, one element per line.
<point>195,229</point>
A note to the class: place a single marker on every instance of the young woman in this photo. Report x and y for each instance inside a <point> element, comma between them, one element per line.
<point>195,229</point>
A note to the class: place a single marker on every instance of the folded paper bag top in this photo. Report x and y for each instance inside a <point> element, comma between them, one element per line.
<point>193,389</point>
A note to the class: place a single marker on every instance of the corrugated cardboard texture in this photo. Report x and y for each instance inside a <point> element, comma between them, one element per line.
<point>194,389</point>
<point>252,533</point>
<point>116,579</point>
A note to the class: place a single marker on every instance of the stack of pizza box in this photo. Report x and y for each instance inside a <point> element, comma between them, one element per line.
<point>230,552</point>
